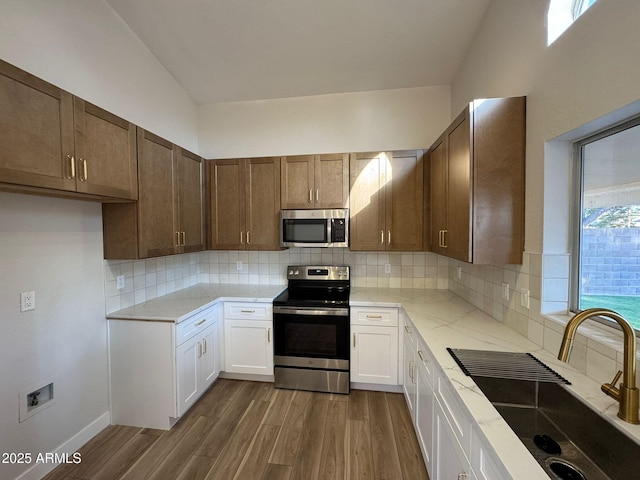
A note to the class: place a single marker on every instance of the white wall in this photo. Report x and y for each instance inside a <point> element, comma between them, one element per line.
<point>590,71</point>
<point>84,47</point>
<point>53,247</point>
<point>587,79</point>
<point>349,122</point>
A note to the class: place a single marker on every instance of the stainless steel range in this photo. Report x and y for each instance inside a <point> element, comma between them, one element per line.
<point>311,330</point>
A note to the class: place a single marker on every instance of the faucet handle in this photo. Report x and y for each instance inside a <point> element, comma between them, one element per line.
<point>610,388</point>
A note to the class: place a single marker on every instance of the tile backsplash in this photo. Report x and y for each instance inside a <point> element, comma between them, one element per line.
<point>148,279</point>
<point>597,350</point>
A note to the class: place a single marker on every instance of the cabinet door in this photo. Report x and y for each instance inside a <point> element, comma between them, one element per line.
<point>331,181</point>
<point>404,201</point>
<point>424,415</point>
<point>297,182</point>
<point>190,211</point>
<point>459,189</point>
<point>374,354</point>
<point>36,132</point>
<point>248,347</point>
<point>450,462</point>
<point>409,382</point>
<point>227,205</point>
<point>438,193</point>
<point>157,222</point>
<point>262,179</point>
<point>209,362</point>
<point>105,147</point>
<point>188,375</point>
<point>366,200</point>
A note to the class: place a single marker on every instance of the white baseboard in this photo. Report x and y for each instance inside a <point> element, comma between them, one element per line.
<point>39,470</point>
<point>377,387</point>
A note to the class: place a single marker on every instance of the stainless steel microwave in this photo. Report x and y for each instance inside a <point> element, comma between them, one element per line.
<point>314,228</point>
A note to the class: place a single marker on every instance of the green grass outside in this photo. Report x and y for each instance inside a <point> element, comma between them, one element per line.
<point>628,307</point>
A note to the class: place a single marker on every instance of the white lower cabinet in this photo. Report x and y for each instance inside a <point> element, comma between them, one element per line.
<point>159,369</point>
<point>197,366</point>
<point>451,446</point>
<point>409,382</point>
<point>248,347</point>
<point>450,461</point>
<point>424,414</point>
<point>374,345</point>
<point>248,338</point>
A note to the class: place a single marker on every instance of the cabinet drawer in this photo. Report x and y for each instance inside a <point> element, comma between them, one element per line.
<point>195,324</point>
<point>375,316</point>
<point>454,412</point>
<point>249,311</point>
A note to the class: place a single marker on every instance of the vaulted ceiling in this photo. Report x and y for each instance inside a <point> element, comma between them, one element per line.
<point>234,50</point>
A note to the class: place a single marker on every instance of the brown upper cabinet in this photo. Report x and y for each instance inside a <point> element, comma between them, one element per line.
<point>477,169</point>
<point>315,181</point>
<point>55,141</point>
<point>386,201</point>
<point>244,197</point>
<point>168,217</point>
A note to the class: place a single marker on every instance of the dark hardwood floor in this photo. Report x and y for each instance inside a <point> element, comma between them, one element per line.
<point>250,430</point>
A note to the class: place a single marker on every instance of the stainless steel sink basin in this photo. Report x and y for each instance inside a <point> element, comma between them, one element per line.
<point>567,438</point>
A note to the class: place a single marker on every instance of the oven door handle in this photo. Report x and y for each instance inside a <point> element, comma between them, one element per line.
<point>336,312</point>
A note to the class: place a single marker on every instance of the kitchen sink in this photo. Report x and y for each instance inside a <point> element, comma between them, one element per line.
<point>565,436</point>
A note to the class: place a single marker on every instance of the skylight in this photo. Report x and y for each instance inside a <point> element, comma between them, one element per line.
<point>561,14</point>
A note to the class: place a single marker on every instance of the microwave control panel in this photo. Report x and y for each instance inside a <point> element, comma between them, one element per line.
<point>338,230</point>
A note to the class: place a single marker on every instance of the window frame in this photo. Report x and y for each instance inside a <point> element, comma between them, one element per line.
<point>578,208</point>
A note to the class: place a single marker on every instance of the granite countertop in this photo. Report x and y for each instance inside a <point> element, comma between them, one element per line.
<point>178,306</point>
<point>445,320</point>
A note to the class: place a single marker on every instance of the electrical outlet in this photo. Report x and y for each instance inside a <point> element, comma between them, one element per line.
<point>459,272</point>
<point>505,291</point>
<point>239,265</point>
<point>524,298</point>
<point>27,301</point>
<point>387,268</point>
<point>120,282</point>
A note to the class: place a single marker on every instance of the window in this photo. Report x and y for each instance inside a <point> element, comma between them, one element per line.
<point>561,14</point>
<point>607,237</point>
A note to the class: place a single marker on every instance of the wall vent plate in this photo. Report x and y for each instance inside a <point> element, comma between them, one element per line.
<point>36,399</point>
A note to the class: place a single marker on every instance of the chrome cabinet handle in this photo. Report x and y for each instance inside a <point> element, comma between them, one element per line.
<point>374,316</point>
<point>407,329</point>
<point>200,322</point>
<point>310,195</point>
<point>199,349</point>
<point>462,475</point>
<point>248,241</point>
<point>204,346</point>
<point>184,238</point>
<point>421,356</point>
<point>72,168</point>
<point>86,172</point>
<point>354,340</point>
<point>268,335</point>
<point>247,311</point>
<point>242,237</point>
<point>389,237</point>
<point>317,195</point>
<point>382,237</point>
<point>177,239</point>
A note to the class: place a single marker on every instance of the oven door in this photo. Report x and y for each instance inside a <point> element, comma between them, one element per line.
<point>315,338</point>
